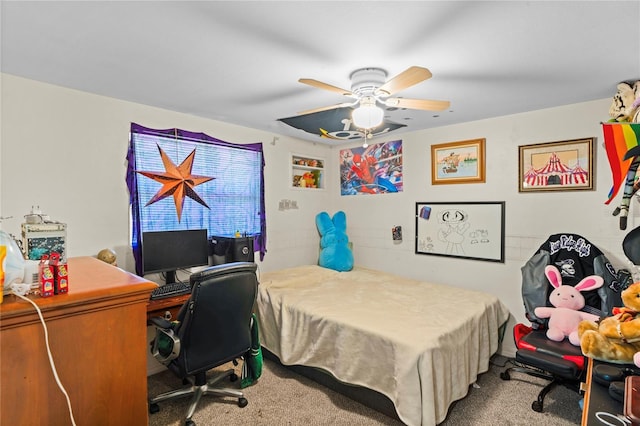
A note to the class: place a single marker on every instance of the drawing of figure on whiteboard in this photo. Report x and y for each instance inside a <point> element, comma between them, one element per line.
<point>452,233</point>
<point>479,236</point>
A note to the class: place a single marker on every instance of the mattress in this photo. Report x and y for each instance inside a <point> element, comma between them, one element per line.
<point>420,344</point>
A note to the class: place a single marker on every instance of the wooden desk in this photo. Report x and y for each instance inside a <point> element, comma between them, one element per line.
<point>167,308</point>
<point>97,335</point>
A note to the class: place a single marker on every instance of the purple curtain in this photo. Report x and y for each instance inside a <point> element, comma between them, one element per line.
<point>259,241</point>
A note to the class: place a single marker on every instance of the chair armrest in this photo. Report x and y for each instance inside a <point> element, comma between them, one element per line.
<point>160,322</point>
<point>166,345</point>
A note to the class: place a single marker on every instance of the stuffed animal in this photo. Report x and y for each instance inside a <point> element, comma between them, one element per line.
<point>625,106</point>
<point>309,179</point>
<point>616,338</point>
<point>334,242</point>
<point>565,316</point>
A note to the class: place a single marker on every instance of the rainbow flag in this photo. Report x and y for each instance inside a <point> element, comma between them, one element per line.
<point>619,138</point>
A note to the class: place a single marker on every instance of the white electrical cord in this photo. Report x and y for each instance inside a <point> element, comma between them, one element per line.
<point>53,366</point>
<point>619,419</point>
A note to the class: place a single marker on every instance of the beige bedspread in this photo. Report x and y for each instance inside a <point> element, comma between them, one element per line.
<point>418,343</point>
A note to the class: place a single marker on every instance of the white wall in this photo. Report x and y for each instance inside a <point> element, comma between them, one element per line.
<point>530,217</point>
<point>64,150</point>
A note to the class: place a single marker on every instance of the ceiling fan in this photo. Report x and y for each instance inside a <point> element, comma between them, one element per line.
<point>370,87</point>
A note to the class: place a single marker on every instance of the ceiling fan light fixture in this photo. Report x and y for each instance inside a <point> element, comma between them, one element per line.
<point>370,88</point>
<point>367,116</point>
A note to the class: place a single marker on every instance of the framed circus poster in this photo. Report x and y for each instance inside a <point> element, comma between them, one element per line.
<point>556,166</point>
<point>467,230</point>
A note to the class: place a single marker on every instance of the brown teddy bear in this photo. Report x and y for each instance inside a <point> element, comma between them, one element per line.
<point>616,338</point>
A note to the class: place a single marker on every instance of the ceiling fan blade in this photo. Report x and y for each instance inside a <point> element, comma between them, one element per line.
<point>407,78</point>
<point>326,108</point>
<point>325,86</point>
<point>423,104</point>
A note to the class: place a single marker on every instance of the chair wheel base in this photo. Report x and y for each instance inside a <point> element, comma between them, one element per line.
<point>505,375</point>
<point>242,402</point>
<point>154,408</point>
<point>536,406</point>
<point>189,423</point>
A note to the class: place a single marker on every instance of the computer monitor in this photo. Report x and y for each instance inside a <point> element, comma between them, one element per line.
<point>168,251</point>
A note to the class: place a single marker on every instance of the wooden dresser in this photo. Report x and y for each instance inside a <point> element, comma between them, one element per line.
<point>97,335</point>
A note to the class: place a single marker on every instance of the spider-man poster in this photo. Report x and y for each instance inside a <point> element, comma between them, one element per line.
<point>376,169</point>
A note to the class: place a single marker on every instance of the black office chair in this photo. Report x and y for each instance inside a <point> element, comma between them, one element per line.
<point>559,362</point>
<point>213,328</point>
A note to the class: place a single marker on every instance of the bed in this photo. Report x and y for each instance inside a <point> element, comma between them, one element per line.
<point>420,344</point>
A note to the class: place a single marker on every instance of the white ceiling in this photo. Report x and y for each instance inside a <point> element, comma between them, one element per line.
<point>240,61</point>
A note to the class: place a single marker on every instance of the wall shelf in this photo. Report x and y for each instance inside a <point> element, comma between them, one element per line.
<point>307,172</point>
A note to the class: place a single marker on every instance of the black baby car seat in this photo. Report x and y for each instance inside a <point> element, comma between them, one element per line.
<point>536,355</point>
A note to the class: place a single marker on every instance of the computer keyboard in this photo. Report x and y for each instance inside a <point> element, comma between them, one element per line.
<point>170,290</point>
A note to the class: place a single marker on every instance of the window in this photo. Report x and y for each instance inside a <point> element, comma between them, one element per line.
<point>184,180</point>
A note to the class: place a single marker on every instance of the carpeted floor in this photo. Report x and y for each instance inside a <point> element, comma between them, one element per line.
<point>282,397</point>
<point>508,403</point>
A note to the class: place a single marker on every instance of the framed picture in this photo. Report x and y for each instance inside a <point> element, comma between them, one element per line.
<point>375,169</point>
<point>471,230</point>
<point>556,166</point>
<point>458,162</point>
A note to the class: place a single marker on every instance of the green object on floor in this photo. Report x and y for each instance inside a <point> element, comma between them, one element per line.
<point>252,366</point>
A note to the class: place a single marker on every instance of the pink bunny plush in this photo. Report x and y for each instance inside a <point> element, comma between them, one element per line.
<point>566,315</point>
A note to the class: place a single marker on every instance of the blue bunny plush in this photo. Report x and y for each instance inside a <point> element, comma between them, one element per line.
<point>334,242</point>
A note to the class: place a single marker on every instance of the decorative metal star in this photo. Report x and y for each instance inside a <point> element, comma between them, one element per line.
<point>177,181</point>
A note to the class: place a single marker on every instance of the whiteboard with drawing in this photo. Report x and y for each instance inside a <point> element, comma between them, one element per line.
<point>469,230</point>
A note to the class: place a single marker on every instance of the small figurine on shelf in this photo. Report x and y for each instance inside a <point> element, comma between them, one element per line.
<point>310,180</point>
